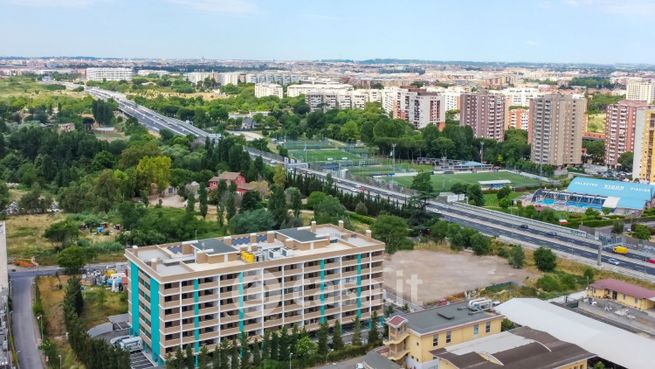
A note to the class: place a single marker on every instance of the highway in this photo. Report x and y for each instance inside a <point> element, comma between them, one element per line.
<point>494,223</point>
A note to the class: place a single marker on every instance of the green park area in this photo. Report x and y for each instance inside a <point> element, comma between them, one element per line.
<point>323,155</point>
<point>443,182</point>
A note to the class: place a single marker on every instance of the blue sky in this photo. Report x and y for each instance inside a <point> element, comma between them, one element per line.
<point>596,31</point>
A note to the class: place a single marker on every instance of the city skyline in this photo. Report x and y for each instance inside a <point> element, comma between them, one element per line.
<point>537,31</point>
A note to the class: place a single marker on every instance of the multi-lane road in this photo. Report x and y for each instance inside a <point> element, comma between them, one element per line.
<point>510,227</point>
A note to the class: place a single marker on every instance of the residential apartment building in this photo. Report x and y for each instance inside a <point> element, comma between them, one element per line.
<point>268,89</point>
<point>197,293</point>
<point>279,78</point>
<point>147,72</point>
<point>519,118</point>
<point>643,164</point>
<point>305,88</point>
<point>420,107</point>
<point>640,90</point>
<point>327,100</point>
<point>620,127</point>
<point>451,96</point>
<point>109,74</point>
<point>520,96</point>
<point>195,77</point>
<point>558,123</point>
<point>232,78</point>
<point>414,336</point>
<point>485,113</point>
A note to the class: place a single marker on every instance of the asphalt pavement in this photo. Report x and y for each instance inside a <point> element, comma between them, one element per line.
<point>24,324</point>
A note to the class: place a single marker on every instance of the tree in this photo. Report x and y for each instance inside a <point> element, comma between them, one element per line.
<point>322,336</point>
<point>235,356</point>
<point>641,232</point>
<point>190,203</point>
<point>277,205</point>
<point>62,232</point>
<point>305,348</point>
<point>315,198</point>
<point>422,183</point>
<point>373,335</point>
<point>72,259</point>
<point>279,176</point>
<point>545,259</point>
<point>284,344</point>
<point>330,210</point>
<point>599,365</point>
<point>361,208</point>
<point>625,160</point>
<point>231,205</point>
<point>275,346</point>
<point>439,230</point>
<point>337,341</point>
<point>505,203</point>
<point>393,231</point>
<point>256,353</point>
<point>244,351</point>
<point>588,275</point>
<point>595,149</point>
<point>203,358</point>
<point>474,193</point>
<point>503,192</point>
<point>251,221</point>
<point>357,332</point>
<point>189,358</point>
<point>295,200</point>
<point>202,199</point>
<point>516,257</point>
<point>251,201</point>
<point>480,244</point>
<point>617,227</point>
<point>154,170</point>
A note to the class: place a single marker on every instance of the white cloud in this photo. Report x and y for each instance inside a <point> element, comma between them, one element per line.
<point>217,6</point>
<point>531,43</point>
<point>53,3</point>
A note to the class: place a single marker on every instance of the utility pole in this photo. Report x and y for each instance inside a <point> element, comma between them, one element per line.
<point>481,151</point>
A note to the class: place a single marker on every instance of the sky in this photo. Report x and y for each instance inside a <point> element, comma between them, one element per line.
<point>561,31</point>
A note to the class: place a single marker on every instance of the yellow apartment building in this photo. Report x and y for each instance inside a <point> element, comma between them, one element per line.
<point>624,293</point>
<point>413,336</point>
<point>200,292</point>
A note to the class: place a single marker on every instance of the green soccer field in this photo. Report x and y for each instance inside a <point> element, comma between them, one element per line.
<point>322,155</point>
<point>443,182</point>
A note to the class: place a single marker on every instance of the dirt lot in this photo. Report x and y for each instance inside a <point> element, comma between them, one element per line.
<point>438,275</point>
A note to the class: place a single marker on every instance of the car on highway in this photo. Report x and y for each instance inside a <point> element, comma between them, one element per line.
<point>524,226</point>
<point>613,261</point>
<point>651,260</point>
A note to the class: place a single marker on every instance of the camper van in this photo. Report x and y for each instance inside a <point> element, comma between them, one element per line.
<point>132,344</point>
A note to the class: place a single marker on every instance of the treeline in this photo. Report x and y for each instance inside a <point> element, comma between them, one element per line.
<point>92,352</point>
<point>280,349</point>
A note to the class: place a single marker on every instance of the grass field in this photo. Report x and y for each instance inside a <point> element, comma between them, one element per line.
<point>596,123</point>
<point>443,182</point>
<point>322,155</point>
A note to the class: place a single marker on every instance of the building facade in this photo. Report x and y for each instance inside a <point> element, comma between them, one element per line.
<point>109,74</point>
<point>413,336</point>
<point>268,89</point>
<point>420,107</point>
<point>519,118</point>
<point>520,96</point>
<point>620,127</point>
<point>195,77</point>
<point>279,78</point>
<point>484,113</point>
<point>643,162</point>
<point>558,123</point>
<point>640,90</point>
<point>623,293</point>
<point>197,293</point>
<point>306,88</point>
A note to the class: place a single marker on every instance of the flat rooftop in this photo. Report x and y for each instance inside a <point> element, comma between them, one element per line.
<point>443,317</point>
<point>180,258</point>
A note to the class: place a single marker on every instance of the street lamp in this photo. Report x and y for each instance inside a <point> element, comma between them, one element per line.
<point>290,359</point>
<point>59,361</point>
<point>40,319</point>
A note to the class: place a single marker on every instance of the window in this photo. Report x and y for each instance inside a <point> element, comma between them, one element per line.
<point>448,337</point>
<point>476,328</point>
<point>435,340</point>
<point>487,327</point>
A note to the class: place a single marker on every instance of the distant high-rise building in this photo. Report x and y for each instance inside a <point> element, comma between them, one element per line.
<point>520,96</point>
<point>229,78</point>
<point>484,113</point>
<point>277,77</point>
<point>620,126</point>
<point>195,77</point>
<point>643,164</point>
<point>109,74</point>
<point>557,127</point>
<point>268,89</point>
<point>305,88</point>
<point>640,90</point>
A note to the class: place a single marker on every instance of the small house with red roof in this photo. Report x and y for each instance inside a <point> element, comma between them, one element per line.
<point>624,293</point>
<point>229,177</point>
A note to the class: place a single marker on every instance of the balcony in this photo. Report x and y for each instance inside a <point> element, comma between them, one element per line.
<point>395,339</point>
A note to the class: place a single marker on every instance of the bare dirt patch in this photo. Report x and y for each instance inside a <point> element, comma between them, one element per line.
<point>439,275</point>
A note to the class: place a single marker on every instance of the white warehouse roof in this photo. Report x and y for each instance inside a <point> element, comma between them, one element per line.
<point>607,341</point>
